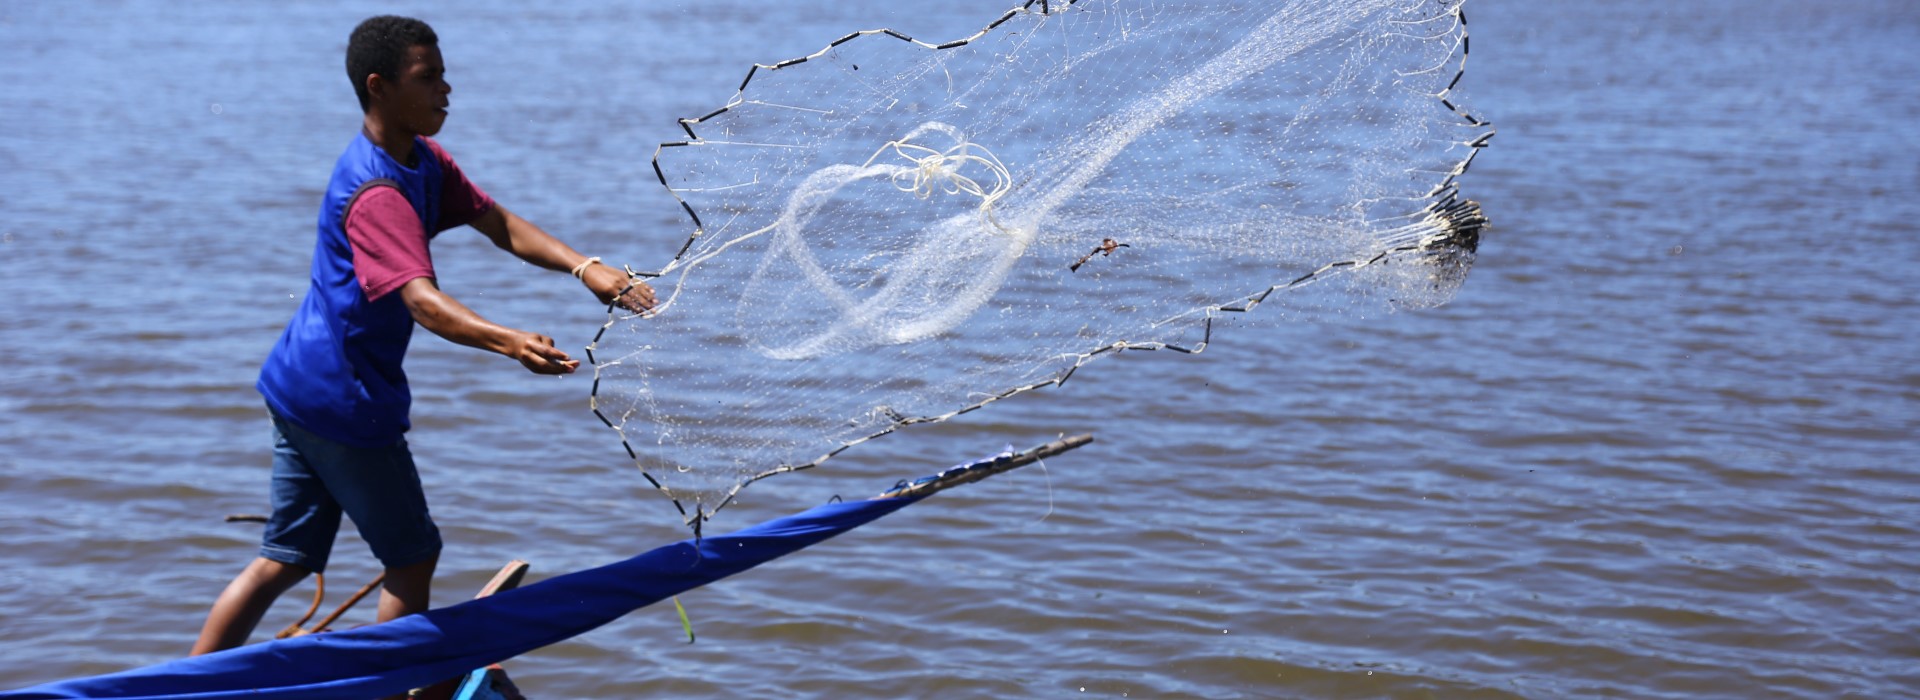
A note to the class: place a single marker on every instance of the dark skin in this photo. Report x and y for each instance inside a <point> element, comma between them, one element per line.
<point>414,103</point>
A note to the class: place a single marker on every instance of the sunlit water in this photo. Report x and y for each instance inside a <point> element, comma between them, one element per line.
<point>1660,445</point>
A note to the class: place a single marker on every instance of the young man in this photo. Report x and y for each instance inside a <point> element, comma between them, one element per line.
<point>333,382</point>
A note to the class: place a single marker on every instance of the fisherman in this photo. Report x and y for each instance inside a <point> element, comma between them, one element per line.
<point>333,383</point>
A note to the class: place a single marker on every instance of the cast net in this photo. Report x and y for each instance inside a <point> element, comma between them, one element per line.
<point>894,231</point>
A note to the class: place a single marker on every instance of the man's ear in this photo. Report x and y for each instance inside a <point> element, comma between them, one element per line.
<point>376,88</point>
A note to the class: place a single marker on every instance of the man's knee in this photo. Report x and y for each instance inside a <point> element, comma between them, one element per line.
<point>412,578</point>
<point>421,567</point>
<point>276,574</point>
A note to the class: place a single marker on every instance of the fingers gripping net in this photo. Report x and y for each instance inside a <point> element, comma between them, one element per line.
<point>892,231</point>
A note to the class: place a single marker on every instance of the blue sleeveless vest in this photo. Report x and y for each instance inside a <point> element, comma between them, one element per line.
<point>336,369</point>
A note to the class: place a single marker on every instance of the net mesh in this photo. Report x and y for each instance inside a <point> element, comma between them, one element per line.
<point>894,231</point>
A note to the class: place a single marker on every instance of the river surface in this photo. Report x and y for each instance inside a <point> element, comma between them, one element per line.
<point>1660,445</point>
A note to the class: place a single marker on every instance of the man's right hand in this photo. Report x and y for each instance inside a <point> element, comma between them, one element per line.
<point>537,353</point>
<point>450,319</point>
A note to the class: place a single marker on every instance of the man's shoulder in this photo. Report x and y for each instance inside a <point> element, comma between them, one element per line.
<point>354,149</point>
<point>359,159</point>
<point>439,153</point>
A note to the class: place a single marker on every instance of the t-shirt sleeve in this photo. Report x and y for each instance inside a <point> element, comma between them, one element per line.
<point>389,249</point>
<point>461,201</point>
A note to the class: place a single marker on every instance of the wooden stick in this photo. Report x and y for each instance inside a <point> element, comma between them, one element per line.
<point>344,607</point>
<point>969,473</point>
<point>319,592</point>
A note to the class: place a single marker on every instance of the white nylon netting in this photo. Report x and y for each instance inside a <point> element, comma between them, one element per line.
<point>893,231</point>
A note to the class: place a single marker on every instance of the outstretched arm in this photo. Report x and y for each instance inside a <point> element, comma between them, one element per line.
<point>528,242</point>
<point>450,319</point>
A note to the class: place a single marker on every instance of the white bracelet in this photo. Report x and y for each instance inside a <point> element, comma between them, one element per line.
<point>580,270</point>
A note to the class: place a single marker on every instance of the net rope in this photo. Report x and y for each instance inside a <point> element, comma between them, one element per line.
<point>891,232</point>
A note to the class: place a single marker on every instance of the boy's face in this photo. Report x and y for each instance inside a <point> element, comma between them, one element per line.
<point>417,97</point>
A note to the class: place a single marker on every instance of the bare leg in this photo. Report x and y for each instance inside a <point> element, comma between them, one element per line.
<point>407,588</point>
<point>240,607</point>
<point>405,592</point>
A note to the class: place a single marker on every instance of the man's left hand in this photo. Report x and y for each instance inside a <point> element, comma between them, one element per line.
<point>612,286</point>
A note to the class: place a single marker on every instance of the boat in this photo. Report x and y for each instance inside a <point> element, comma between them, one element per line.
<point>462,645</point>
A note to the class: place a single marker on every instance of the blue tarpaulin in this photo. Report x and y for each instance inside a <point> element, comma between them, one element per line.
<point>419,650</point>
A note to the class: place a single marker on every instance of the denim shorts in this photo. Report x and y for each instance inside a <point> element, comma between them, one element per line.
<point>316,479</point>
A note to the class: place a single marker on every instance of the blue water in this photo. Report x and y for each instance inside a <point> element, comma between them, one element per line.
<point>1659,445</point>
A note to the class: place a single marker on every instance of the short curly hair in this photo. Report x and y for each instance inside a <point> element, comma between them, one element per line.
<point>379,45</point>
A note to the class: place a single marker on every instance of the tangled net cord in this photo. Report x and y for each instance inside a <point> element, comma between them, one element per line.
<point>1445,230</point>
<point>941,170</point>
<point>931,170</point>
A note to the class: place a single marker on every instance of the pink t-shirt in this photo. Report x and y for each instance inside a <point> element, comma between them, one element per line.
<point>389,249</point>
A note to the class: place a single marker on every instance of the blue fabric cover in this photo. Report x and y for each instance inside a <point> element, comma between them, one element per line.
<point>419,650</point>
<point>336,370</point>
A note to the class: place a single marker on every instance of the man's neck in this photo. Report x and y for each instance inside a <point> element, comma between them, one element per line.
<point>396,141</point>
